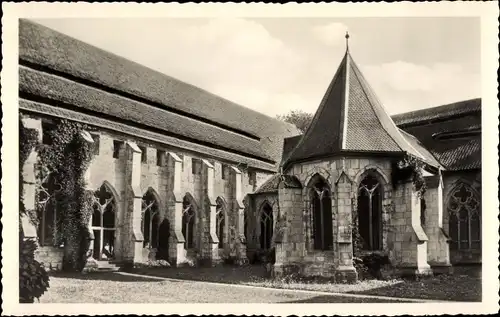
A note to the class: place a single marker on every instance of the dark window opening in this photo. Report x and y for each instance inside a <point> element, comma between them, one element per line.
<point>195,166</point>
<point>225,172</point>
<point>322,216</point>
<point>252,177</point>
<point>144,154</point>
<point>370,213</point>
<point>188,220</point>
<point>117,145</point>
<point>47,130</point>
<point>96,145</point>
<point>160,155</point>
<point>423,207</point>
<point>150,222</point>
<point>220,222</point>
<point>266,227</point>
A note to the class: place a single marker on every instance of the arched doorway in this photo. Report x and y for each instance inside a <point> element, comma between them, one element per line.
<point>369,214</point>
<point>266,226</point>
<point>103,224</point>
<point>150,220</point>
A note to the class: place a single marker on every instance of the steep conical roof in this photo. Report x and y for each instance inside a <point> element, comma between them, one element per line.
<point>350,119</point>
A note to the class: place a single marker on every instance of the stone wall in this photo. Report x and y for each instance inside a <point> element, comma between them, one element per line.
<point>170,175</point>
<point>403,237</point>
<point>50,257</point>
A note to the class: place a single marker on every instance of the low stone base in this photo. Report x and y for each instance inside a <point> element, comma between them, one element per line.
<point>344,275</point>
<point>347,275</point>
<point>413,272</point>
<point>439,269</point>
<point>51,257</point>
<point>203,262</point>
<point>279,270</point>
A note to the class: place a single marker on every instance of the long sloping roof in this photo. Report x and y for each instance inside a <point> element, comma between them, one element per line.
<point>461,151</point>
<point>351,119</point>
<point>57,70</point>
<point>440,113</point>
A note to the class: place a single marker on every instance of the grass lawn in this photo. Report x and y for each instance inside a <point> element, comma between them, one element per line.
<point>118,288</point>
<point>461,286</point>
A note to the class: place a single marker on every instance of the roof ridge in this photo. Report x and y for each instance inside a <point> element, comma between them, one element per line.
<point>179,81</point>
<point>440,111</point>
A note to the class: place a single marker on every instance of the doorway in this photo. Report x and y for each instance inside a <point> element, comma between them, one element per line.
<point>103,225</point>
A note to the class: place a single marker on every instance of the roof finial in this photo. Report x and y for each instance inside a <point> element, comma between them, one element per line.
<point>347,40</point>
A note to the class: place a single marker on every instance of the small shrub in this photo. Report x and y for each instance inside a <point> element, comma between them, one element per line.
<point>361,268</point>
<point>152,264</point>
<point>33,279</point>
<point>373,262</point>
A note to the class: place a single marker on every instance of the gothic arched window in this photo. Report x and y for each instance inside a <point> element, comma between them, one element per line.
<point>465,218</point>
<point>220,221</point>
<point>50,226</point>
<point>370,213</point>
<point>103,223</point>
<point>188,220</point>
<point>321,203</point>
<point>266,227</point>
<point>150,220</point>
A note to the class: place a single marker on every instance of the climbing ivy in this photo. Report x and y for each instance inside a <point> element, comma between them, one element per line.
<point>33,279</point>
<point>409,168</point>
<point>68,157</point>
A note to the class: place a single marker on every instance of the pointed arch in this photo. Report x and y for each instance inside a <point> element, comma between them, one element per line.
<point>150,218</point>
<point>112,189</point>
<point>189,210</point>
<point>266,221</point>
<point>374,171</point>
<point>320,198</point>
<point>50,224</point>
<point>220,221</point>
<point>370,193</point>
<point>314,174</point>
<point>103,221</point>
<point>463,206</point>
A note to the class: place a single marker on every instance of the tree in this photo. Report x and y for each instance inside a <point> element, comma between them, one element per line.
<point>299,118</point>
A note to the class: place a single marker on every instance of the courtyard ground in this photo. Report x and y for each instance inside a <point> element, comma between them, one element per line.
<point>196,285</point>
<point>123,288</point>
<point>463,285</point>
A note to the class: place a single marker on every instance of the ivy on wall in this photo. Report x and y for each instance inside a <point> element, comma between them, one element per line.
<point>33,279</point>
<point>68,157</point>
<point>409,168</point>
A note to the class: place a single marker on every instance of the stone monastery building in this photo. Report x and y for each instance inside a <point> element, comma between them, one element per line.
<point>183,175</point>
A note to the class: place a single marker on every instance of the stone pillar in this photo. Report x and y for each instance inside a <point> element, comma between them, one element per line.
<point>280,267</point>
<point>345,271</point>
<point>176,239</point>
<point>438,254</point>
<point>410,245</point>
<point>133,202</point>
<point>289,240</point>
<point>29,230</point>
<point>241,249</point>
<point>210,245</point>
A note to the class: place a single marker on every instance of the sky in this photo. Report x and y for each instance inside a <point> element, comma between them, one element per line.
<point>275,65</point>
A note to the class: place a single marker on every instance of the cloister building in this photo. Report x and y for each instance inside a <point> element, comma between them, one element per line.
<point>183,175</point>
